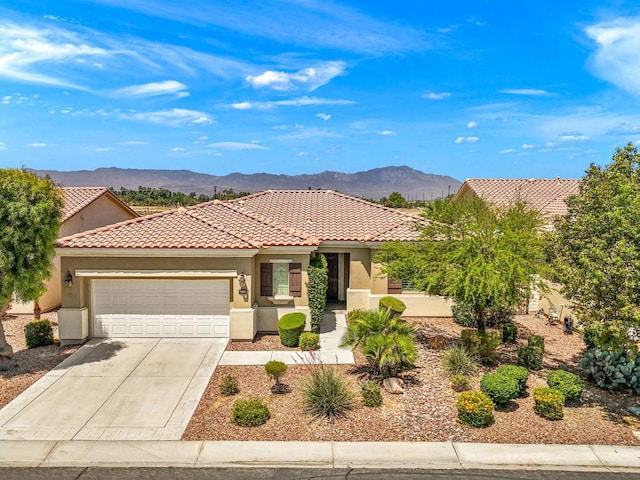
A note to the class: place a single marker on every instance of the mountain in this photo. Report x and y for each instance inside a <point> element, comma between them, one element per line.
<point>375,183</point>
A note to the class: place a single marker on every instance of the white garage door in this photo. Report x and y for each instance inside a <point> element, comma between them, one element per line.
<point>160,308</point>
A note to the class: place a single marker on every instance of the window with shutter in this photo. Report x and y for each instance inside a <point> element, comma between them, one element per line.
<point>295,279</point>
<point>394,286</point>
<point>266,279</point>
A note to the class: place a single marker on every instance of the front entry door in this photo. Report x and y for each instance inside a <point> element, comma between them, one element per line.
<point>332,266</point>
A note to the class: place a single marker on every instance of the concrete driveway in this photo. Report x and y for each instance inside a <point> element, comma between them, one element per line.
<point>116,389</point>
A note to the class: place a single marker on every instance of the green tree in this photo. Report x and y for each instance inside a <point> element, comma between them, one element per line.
<point>597,249</point>
<point>395,200</point>
<point>30,213</point>
<point>472,252</point>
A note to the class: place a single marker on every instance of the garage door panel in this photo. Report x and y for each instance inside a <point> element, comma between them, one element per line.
<point>161,308</point>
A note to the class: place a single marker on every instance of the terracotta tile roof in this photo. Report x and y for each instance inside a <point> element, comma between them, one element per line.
<point>272,218</point>
<point>77,198</point>
<point>325,214</point>
<point>547,195</point>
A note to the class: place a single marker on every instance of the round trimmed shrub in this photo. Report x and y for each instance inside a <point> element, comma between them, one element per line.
<point>38,333</point>
<point>309,341</point>
<point>459,383</point>
<point>290,326</point>
<point>536,341</point>
<point>475,409</point>
<point>250,412</point>
<point>570,384</point>
<point>229,385</point>
<point>530,357</point>
<point>500,388</point>
<point>371,396</point>
<point>393,304</point>
<point>521,374</point>
<point>548,403</point>
<point>509,332</point>
<point>275,369</point>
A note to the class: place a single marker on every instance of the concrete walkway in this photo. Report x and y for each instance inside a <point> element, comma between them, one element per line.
<point>116,389</point>
<point>444,455</point>
<point>333,328</point>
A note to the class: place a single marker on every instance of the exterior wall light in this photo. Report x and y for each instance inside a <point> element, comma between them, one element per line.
<point>68,279</point>
<point>243,284</point>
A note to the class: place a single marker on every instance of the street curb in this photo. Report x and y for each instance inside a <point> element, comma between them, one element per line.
<point>367,455</point>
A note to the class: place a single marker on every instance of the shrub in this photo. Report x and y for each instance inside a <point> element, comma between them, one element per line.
<point>536,341</point>
<point>590,334</point>
<point>475,409</point>
<point>457,360</point>
<point>500,388</point>
<point>393,304</point>
<point>615,371</point>
<point>275,369</point>
<point>464,315</point>
<point>317,285</point>
<point>548,403</point>
<point>309,341</point>
<point>530,357</point>
<point>250,412</point>
<point>371,396</point>
<point>459,382</point>
<point>568,383</point>
<point>229,386</point>
<point>521,375</point>
<point>326,393</point>
<point>482,345</point>
<point>509,332</point>
<point>290,326</point>
<point>38,333</point>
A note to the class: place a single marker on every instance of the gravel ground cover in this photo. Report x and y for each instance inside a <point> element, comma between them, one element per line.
<point>263,341</point>
<point>28,365</point>
<point>426,410</point>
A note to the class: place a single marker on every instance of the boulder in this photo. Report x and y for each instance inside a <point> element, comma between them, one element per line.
<point>393,385</point>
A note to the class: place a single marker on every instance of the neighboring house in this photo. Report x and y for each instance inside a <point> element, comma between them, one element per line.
<point>547,196</point>
<point>85,208</point>
<point>230,268</point>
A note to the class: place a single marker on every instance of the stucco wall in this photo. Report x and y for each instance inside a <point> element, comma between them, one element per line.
<point>554,299</point>
<point>101,212</point>
<point>302,259</point>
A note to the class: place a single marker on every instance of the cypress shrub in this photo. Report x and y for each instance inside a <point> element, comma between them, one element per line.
<point>317,286</point>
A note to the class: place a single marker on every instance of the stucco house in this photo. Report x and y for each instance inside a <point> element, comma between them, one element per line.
<point>85,208</point>
<point>546,195</point>
<point>229,269</point>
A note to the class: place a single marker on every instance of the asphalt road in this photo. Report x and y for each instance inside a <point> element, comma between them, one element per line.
<point>92,473</point>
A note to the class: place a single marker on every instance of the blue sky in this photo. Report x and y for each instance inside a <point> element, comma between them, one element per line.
<point>461,88</point>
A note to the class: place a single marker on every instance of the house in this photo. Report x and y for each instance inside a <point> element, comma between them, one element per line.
<point>85,208</point>
<point>229,269</point>
<point>547,196</point>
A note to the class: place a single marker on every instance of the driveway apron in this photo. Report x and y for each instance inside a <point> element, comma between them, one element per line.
<point>116,389</point>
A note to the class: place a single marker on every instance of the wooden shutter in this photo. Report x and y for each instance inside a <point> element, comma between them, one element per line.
<point>394,286</point>
<point>266,279</point>
<point>295,279</point>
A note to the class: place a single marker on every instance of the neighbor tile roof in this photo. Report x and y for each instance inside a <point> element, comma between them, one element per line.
<point>77,198</point>
<point>546,195</point>
<point>271,218</point>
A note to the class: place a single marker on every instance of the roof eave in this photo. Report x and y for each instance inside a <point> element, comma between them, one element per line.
<point>156,252</point>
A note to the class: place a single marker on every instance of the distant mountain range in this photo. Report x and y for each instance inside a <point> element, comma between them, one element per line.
<point>375,183</point>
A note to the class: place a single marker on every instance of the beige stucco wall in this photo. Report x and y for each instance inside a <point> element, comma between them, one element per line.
<point>418,304</point>
<point>302,259</point>
<point>101,212</point>
<point>359,268</point>
<point>553,299</point>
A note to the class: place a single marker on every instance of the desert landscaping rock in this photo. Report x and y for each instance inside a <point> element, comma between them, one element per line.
<point>393,385</point>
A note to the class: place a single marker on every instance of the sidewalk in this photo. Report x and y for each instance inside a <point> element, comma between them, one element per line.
<point>334,326</point>
<point>405,455</point>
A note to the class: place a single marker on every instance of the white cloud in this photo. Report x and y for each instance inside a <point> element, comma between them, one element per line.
<point>436,95</point>
<point>133,143</point>
<point>534,92</point>
<point>177,149</point>
<point>238,146</point>
<point>174,117</point>
<point>3,146</point>
<point>472,125</point>
<point>528,146</point>
<point>303,154</point>
<point>102,149</point>
<point>242,105</point>
<point>37,145</point>
<point>302,133</point>
<point>572,137</point>
<point>387,133</point>
<point>508,150</point>
<point>323,116</point>
<point>467,139</point>
<point>6,99</point>
<point>624,129</point>
<point>294,102</point>
<point>617,58</point>
<point>168,87</point>
<point>308,79</point>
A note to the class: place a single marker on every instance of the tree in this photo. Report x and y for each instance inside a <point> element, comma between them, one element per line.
<point>472,252</point>
<point>597,249</point>
<point>30,214</point>
<point>395,200</point>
